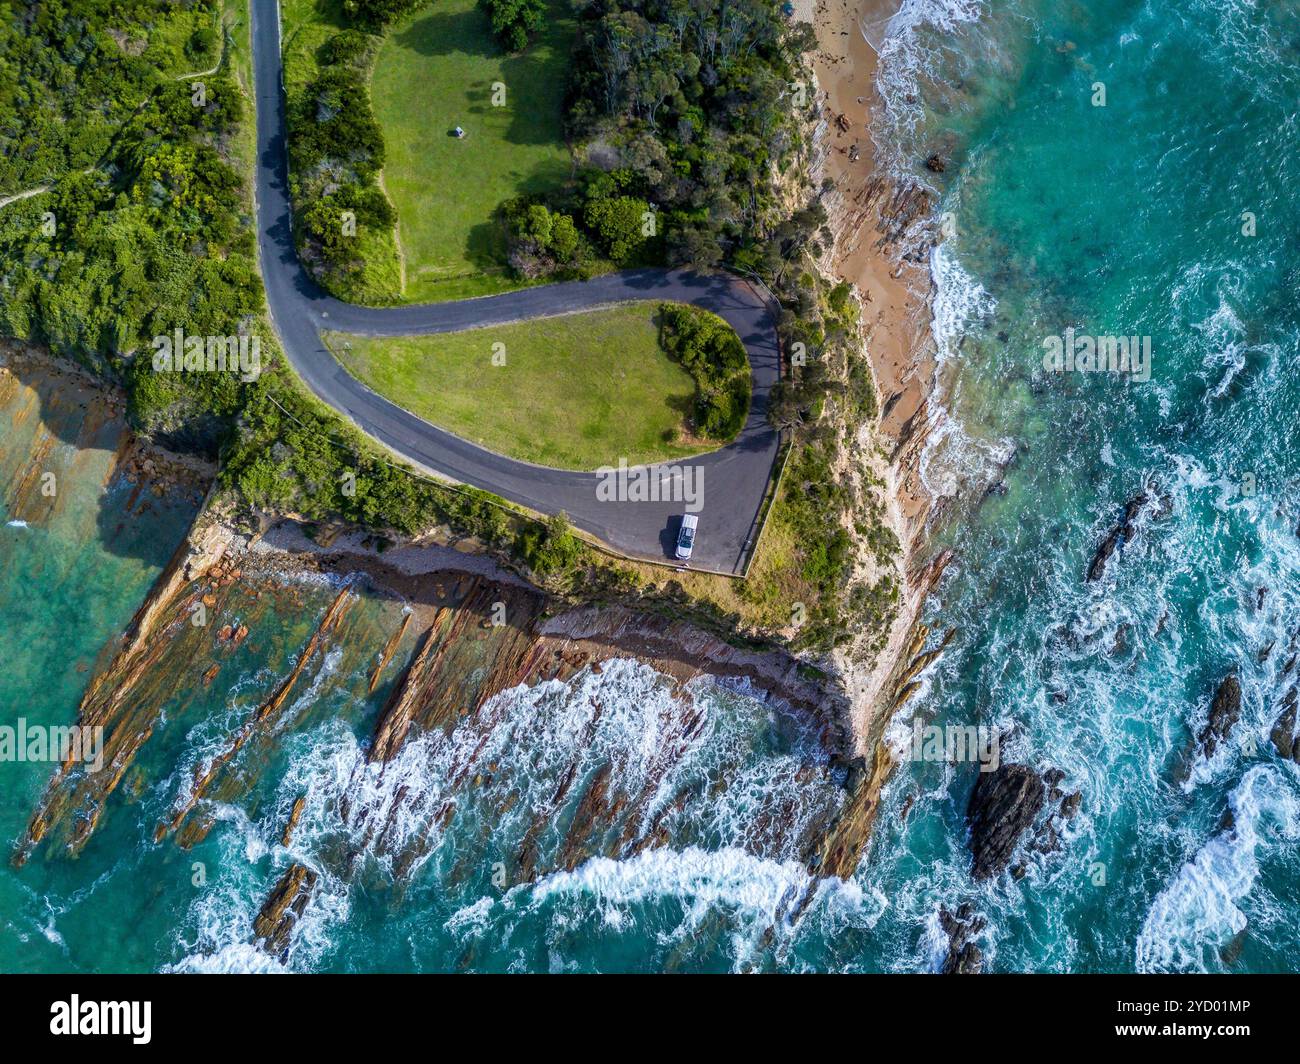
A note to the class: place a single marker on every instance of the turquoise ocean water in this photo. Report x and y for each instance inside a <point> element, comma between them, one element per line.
<point>1122,219</point>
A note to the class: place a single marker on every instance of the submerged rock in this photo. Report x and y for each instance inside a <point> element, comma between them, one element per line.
<point>1283,734</point>
<point>1230,952</point>
<point>1123,531</point>
<point>1003,804</point>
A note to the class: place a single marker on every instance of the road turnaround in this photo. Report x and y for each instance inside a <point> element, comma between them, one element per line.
<point>725,487</point>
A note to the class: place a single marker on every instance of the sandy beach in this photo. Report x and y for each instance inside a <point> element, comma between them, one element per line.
<point>873,219</point>
<point>863,209</point>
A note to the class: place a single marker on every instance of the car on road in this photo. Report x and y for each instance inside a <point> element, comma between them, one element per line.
<point>686,536</point>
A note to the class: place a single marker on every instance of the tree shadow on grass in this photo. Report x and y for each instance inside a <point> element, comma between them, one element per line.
<point>534,82</point>
<point>487,242</point>
<point>485,246</point>
<point>534,79</point>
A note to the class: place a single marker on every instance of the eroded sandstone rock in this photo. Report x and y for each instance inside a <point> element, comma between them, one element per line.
<point>275,922</point>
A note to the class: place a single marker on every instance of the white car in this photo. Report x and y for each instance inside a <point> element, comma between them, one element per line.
<point>686,537</point>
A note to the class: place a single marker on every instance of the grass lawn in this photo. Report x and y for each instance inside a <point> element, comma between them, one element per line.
<point>435,71</point>
<point>575,392</point>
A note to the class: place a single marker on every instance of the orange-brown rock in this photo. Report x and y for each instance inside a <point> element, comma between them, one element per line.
<point>273,927</point>
<point>295,814</point>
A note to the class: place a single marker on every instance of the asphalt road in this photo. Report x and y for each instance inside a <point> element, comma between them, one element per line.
<point>731,481</point>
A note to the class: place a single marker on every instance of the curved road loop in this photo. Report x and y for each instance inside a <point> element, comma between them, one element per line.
<point>731,481</point>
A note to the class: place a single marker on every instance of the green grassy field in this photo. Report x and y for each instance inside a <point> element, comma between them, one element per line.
<point>575,392</point>
<point>435,71</point>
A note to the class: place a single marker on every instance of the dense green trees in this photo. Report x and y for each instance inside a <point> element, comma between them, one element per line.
<point>514,22</point>
<point>374,15</point>
<point>336,150</point>
<point>70,75</point>
<point>683,111</point>
<point>712,353</point>
<point>550,548</point>
<point>143,229</point>
<point>622,225</point>
<point>546,242</point>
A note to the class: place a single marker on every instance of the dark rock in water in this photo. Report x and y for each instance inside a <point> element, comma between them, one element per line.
<point>1108,547</point>
<point>1263,654</point>
<point>964,957</point>
<point>997,488</point>
<point>1230,952</point>
<point>1283,734</point>
<point>969,960</point>
<point>1164,502</point>
<point>936,163</point>
<point>1225,711</point>
<point>1067,637</point>
<point>1070,804</point>
<point>1047,840</point>
<point>1002,805</point>
<point>1119,535</point>
<point>908,802</point>
<point>1259,599</point>
<point>1120,646</point>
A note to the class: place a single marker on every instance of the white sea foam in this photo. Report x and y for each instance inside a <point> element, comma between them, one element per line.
<point>755,894</point>
<point>907,52</point>
<point>520,745</point>
<point>952,457</point>
<point>959,301</point>
<point>1198,911</point>
<point>237,958</point>
<point>933,945</point>
<point>51,933</point>
<point>211,737</point>
<point>223,912</point>
<point>471,919</point>
<point>700,879</point>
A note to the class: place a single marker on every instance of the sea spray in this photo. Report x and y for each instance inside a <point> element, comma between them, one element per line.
<point>450,814</point>
<point>1198,912</point>
<point>1109,682</point>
